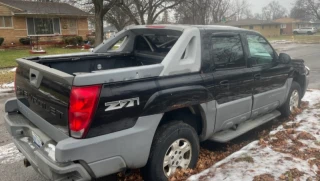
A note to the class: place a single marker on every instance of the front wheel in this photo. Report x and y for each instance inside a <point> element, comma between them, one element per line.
<point>293,100</point>
<point>175,146</point>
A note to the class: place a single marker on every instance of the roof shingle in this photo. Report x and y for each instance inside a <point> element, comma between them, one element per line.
<point>43,8</point>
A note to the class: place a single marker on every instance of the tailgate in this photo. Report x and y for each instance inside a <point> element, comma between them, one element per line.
<point>44,92</point>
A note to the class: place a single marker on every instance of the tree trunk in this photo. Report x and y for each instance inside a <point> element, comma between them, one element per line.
<point>99,29</point>
<point>98,15</point>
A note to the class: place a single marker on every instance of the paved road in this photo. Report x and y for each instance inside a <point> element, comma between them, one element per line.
<point>12,169</point>
<point>311,54</point>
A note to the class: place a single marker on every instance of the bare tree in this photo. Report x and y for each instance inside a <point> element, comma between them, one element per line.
<point>306,9</point>
<point>274,11</point>
<point>193,12</point>
<point>118,18</point>
<point>211,11</point>
<point>299,11</point>
<point>101,8</point>
<point>240,10</point>
<point>258,16</point>
<point>147,11</point>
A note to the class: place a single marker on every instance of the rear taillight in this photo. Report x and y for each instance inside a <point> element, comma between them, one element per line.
<point>83,103</point>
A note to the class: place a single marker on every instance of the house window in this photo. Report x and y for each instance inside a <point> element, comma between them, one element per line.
<point>43,26</point>
<point>251,27</point>
<point>5,21</point>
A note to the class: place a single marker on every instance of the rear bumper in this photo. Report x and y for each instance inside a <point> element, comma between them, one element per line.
<point>41,159</point>
<point>81,159</point>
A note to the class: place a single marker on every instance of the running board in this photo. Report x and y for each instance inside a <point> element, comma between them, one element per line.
<point>227,135</point>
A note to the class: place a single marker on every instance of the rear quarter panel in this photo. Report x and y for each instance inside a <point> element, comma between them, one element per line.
<point>156,95</point>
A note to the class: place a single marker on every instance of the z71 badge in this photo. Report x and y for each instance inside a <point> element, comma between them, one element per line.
<point>122,104</point>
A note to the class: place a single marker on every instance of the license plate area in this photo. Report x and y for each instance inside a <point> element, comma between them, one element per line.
<point>36,139</point>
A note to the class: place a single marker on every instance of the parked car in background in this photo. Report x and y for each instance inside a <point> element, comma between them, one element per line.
<point>309,31</point>
<point>146,98</point>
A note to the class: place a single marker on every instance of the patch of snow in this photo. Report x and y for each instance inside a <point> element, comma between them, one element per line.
<point>50,149</point>
<point>266,160</point>
<point>13,70</point>
<point>9,154</point>
<point>8,85</point>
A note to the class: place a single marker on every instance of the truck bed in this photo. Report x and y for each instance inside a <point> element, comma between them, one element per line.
<point>82,63</point>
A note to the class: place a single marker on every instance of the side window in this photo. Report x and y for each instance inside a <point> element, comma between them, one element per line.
<point>260,50</point>
<point>227,52</point>
<point>117,45</point>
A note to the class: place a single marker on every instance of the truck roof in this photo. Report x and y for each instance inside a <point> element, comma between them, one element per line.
<point>183,27</point>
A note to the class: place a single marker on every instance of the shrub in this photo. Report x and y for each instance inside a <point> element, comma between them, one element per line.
<point>1,40</point>
<point>73,40</point>
<point>79,39</point>
<point>91,40</point>
<point>25,41</point>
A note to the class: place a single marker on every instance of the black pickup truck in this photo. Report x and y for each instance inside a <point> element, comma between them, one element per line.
<point>146,98</point>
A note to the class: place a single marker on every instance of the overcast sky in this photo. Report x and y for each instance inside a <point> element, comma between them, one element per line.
<point>257,5</point>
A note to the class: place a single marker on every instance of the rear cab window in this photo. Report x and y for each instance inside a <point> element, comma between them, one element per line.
<point>155,43</point>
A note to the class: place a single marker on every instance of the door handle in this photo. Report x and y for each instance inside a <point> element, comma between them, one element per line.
<point>257,77</point>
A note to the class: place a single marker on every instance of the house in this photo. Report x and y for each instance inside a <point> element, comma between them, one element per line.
<point>109,31</point>
<point>316,24</point>
<point>266,28</point>
<point>289,24</point>
<point>47,20</point>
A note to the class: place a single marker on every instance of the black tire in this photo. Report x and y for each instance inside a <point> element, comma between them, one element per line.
<point>285,108</point>
<point>295,32</point>
<point>309,33</point>
<point>165,136</point>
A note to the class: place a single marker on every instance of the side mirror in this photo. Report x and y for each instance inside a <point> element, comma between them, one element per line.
<point>284,58</point>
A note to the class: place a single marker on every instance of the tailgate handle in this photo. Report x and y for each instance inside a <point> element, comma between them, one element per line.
<point>35,78</point>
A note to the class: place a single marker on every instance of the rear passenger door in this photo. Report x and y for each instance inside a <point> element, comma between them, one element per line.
<point>270,77</point>
<point>232,80</point>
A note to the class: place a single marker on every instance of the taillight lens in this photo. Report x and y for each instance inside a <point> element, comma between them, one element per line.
<point>83,103</point>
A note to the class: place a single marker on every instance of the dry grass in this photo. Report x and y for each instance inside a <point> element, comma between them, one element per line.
<point>6,77</point>
<point>8,57</point>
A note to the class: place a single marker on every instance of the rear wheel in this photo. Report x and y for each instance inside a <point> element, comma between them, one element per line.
<point>295,32</point>
<point>309,33</point>
<point>175,145</point>
<point>293,100</point>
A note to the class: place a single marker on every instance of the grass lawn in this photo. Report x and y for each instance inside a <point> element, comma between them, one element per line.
<point>298,38</point>
<point>8,57</point>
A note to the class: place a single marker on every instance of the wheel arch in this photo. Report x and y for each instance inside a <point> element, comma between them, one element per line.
<point>191,115</point>
<point>301,80</point>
